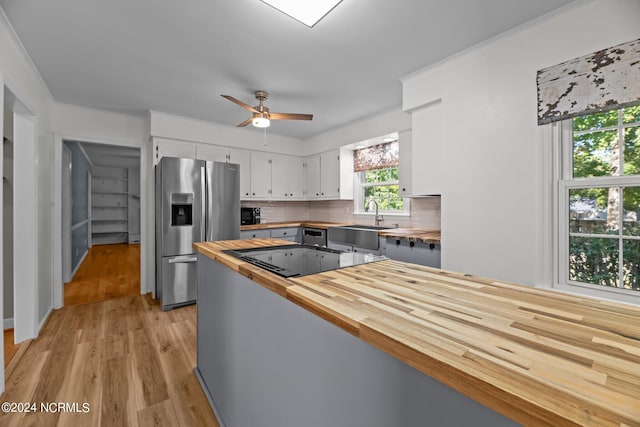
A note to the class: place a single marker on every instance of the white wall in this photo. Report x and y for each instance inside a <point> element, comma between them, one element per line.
<point>170,126</point>
<point>374,126</point>
<point>495,192</point>
<point>99,126</point>
<point>25,83</point>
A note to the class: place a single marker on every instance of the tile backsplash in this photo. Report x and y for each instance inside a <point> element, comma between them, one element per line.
<point>425,212</point>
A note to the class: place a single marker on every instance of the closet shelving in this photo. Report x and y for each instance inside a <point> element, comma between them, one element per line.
<point>109,205</point>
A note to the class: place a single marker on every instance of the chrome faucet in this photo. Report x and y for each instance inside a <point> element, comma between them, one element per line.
<point>378,218</point>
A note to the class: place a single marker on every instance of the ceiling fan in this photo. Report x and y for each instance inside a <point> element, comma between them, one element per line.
<point>261,115</point>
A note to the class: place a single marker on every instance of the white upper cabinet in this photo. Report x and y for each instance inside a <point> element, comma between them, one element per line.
<point>260,175</point>
<point>313,176</point>
<point>172,148</point>
<point>330,175</point>
<point>287,177</point>
<point>405,160</point>
<point>427,150</point>
<point>213,153</point>
<point>243,158</point>
<point>271,176</point>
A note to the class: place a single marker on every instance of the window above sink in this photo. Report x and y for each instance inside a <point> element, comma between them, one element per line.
<point>376,177</point>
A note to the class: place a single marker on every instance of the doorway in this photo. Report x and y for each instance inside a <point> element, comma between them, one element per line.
<point>20,205</point>
<point>10,347</point>
<point>104,231</point>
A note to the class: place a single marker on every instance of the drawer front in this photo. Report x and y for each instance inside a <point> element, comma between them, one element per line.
<point>280,233</point>
<point>255,234</point>
<point>178,280</point>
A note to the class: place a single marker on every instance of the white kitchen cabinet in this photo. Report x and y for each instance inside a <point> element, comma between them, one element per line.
<point>405,163</point>
<point>243,158</point>
<point>172,148</point>
<point>287,177</point>
<point>313,176</point>
<point>427,150</point>
<point>261,175</point>
<point>212,153</point>
<point>330,175</point>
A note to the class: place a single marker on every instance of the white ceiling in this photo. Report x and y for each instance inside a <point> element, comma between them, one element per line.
<point>180,56</point>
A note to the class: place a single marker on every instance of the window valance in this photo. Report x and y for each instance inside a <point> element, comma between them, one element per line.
<point>376,157</point>
<point>604,80</point>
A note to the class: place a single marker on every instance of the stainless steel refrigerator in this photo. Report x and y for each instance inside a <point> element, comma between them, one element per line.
<point>195,201</point>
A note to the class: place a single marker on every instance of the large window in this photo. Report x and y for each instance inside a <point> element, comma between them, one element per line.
<point>600,201</point>
<point>377,178</point>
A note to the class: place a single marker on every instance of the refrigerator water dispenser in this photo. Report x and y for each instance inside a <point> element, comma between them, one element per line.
<point>181,209</point>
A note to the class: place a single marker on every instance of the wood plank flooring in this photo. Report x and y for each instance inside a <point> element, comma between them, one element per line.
<point>10,348</point>
<point>108,271</point>
<point>113,350</point>
<point>128,360</point>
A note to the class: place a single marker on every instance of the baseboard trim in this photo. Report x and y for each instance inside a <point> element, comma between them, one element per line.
<point>8,323</point>
<point>44,320</point>
<point>196,371</point>
<point>75,270</point>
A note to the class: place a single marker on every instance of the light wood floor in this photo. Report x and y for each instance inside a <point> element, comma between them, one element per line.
<point>131,362</point>
<point>10,349</point>
<point>108,271</point>
<point>113,349</point>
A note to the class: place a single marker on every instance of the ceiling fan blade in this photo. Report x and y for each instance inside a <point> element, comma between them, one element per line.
<point>246,122</point>
<point>290,116</point>
<point>240,103</point>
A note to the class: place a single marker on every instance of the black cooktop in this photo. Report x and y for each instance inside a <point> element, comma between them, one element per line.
<point>301,260</point>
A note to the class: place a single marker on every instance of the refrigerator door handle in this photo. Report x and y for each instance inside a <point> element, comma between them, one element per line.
<point>183,259</point>
<point>203,221</point>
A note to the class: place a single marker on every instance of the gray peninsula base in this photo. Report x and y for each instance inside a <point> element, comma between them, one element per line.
<point>265,362</point>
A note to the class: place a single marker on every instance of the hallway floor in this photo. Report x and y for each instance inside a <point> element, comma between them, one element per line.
<point>112,355</point>
<point>108,271</point>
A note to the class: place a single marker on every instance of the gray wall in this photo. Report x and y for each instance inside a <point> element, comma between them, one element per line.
<point>7,226</point>
<point>80,168</point>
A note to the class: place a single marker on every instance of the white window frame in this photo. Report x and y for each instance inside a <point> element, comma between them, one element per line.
<point>563,163</point>
<point>359,202</point>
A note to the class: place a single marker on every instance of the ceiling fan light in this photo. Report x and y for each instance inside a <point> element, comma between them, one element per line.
<point>261,122</point>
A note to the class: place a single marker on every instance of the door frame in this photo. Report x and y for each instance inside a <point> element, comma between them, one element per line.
<point>66,218</point>
<point>58,284</point>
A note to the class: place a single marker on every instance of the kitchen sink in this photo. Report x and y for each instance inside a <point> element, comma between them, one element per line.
<point>368,227</point>
<point>361,236</point>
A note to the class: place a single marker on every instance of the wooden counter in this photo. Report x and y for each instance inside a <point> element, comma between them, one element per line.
<point>413,234</point>
<point>417,234</point>
<point>312,224</point>
<point>539,357</point>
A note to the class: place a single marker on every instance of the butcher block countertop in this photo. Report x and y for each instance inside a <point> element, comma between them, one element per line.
<point>413,234</point>
<point>312,224</point>
<point>537,356</point>
<point>417,234</point>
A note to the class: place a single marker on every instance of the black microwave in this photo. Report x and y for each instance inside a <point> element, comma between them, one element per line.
<point>249,216</point>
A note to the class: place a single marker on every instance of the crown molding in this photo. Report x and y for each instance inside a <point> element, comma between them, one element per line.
<point>4,21</point>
